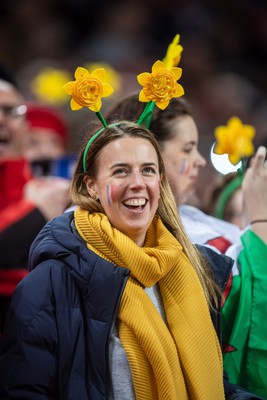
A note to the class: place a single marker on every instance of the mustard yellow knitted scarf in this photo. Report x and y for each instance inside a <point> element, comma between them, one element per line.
<point>180,360</point>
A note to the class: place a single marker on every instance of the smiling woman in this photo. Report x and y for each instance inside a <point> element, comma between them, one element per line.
<point>128,191</point>
<point>124,177</point>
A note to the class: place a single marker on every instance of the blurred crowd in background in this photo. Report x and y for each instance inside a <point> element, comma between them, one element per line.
<point>224,59</point>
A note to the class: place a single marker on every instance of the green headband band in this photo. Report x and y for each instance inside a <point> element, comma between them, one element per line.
<point>226,194</point>
<point>91,140</point>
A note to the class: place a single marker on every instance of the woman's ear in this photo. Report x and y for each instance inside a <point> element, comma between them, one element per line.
<point>91,187</point>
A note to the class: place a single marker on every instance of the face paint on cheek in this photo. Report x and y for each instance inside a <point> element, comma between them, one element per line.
<point>184,168</point>
<point>109,195</point>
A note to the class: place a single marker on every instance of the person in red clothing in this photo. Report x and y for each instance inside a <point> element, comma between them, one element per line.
<point>12,130</point>
<point>26,202</point>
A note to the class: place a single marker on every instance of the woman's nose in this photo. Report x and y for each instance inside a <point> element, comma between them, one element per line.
<point>137,180</point>
<point>201,161</point>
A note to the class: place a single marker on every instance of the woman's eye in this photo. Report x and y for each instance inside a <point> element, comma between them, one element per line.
<point>188,150</point>
<point>149,170</point>
<point>120,171</point>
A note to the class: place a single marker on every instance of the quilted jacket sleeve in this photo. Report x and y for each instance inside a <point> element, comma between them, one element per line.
<point>28,355</point>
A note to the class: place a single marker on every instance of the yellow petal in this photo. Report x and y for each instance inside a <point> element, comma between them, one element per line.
<point>100,74</point>
<point>250,149</point>
<point>219,132</point>
<point>74,106</point>
<point>162,105</point>
<point>234,158</point>
<point>143,78</point>
<point>158,66</point>
<point>81,72</point>
<point>179,91</point>
<point>96,106</point>
<point>234,123</point>
<point>250,131</point>
<point>107,90</point>
<point>142,97</point>
<point>218,149</point>
<point>68,87</point>
<point>234,120</point>
<point>177,72</point>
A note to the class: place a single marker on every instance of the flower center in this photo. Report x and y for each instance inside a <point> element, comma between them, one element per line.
<point>88,91</point>
<point>162,85</point>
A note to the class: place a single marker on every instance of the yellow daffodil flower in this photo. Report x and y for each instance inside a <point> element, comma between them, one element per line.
<point>234,139</point>
<point>47,85</point>
<point>88,89</point>
<point>160,85</point>
<point>173,54</point>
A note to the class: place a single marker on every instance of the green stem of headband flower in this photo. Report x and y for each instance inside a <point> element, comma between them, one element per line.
<point>146,116</point>
<point>101,118</point>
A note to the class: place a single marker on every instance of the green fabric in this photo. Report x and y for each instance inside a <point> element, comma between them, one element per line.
<point>146,116</point>
<point>244,318</point>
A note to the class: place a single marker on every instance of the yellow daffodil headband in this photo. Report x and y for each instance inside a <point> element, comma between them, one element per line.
<point>159,87</point>
<point>234,139</point>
